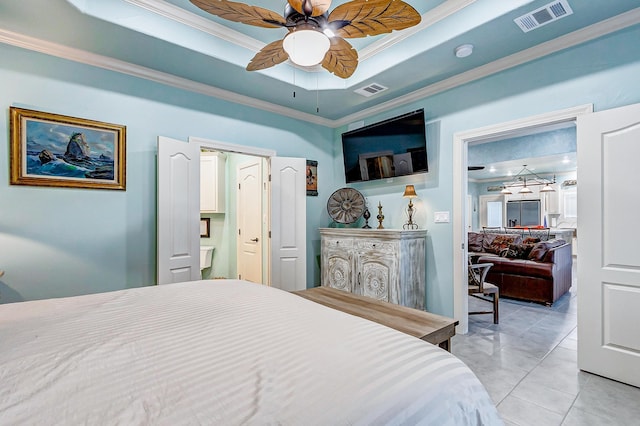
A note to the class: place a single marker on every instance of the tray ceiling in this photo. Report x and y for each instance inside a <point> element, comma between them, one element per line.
<point>174,42</point>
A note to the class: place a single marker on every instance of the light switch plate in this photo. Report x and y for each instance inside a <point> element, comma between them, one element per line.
<point>441,217</point>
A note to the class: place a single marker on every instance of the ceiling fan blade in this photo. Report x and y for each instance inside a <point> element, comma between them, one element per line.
<point>361,18</point>
<point>240,12</point>
<point>310,7</point>
<point>341,59</point>
<point>270,55</point>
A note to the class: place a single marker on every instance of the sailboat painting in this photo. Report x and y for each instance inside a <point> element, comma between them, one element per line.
<point>55,150</point>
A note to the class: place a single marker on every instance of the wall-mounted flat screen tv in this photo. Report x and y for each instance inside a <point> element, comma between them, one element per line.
<point>394,147</point>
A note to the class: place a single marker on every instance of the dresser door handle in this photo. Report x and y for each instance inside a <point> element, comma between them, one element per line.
<point>255,240</point>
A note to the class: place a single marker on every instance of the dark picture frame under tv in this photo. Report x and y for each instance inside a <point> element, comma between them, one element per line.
<point>390,148</point>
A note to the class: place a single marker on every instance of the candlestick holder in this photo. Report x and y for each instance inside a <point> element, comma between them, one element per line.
<point>366,216</point>
<point>380,216</point>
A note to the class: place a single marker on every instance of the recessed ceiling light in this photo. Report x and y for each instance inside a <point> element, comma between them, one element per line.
<point>464,50</point>
<point>492,169</point>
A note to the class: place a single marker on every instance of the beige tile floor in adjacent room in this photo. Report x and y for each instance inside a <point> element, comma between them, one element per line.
<point>528,363</point>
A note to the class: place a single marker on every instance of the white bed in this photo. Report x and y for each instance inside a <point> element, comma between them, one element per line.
<point>222,352</point>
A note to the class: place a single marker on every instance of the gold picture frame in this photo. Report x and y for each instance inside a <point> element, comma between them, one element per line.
<point>57,150</point>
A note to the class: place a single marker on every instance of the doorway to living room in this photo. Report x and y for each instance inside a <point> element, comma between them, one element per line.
<point>524,180</point>
<point>462,142</point>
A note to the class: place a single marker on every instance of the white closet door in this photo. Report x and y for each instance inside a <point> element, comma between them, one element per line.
<point>288,223</point>
<point>178,211</point>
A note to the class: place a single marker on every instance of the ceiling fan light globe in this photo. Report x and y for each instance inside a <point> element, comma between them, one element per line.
<point>306,47</point>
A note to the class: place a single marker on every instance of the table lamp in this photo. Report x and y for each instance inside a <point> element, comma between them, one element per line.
<point>410,193</point>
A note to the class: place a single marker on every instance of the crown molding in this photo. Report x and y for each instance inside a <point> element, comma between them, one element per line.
<point>199,23</point>
<point>111,64</point>
<point>575,38</point>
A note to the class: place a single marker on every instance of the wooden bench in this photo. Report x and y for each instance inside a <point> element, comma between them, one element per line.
<point>430,327</point>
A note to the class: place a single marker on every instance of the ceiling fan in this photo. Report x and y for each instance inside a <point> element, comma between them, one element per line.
<point>316,36</point>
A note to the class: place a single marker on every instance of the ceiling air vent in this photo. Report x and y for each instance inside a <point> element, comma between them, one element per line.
<point>544,15</point>
<point>370,90</point>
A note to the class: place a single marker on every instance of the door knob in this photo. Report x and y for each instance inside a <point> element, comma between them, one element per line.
<point>255,240</point>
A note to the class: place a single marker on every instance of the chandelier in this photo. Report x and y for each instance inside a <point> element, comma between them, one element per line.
<point>524,179</point>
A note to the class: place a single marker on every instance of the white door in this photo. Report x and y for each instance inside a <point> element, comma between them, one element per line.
<point>609,257</point>
<point>491,209</point>
<point>178,211</point>
<point>288,223</point>
<point>249,221</point>
<point>470,212</point>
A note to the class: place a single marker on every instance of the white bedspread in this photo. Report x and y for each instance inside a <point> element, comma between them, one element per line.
<point>222,352</point>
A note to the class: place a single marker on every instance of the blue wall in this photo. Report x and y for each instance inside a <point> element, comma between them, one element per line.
<point>60,242</point>
<point>602,72</point>
<point>553,142</point>
<point>57,242</point>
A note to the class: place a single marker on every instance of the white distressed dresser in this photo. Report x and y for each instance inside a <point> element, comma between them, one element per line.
<point>385,264</point>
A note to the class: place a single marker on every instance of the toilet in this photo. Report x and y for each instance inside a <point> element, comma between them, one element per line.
<point>206,256</point>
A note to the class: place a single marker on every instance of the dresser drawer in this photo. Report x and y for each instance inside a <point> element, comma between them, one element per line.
<point>337,243</point>
<point>380,246</point>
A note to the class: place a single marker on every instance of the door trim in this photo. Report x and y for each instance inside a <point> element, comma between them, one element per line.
<point>231,147</point>
<point>460,144</point>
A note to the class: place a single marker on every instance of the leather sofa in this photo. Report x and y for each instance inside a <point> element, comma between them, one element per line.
<point>523,268</point>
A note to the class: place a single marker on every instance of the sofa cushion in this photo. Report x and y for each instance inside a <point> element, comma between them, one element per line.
<point>517,251</point>
<point>539,251</point>
<point>531,240</point>
<point>499,242</point>
<point>475,241</point>
<point>521,267</point>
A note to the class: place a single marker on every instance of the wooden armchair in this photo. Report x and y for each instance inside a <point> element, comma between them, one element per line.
<point>480,289</point>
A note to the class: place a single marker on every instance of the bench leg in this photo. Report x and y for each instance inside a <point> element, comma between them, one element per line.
<point>446,345</point>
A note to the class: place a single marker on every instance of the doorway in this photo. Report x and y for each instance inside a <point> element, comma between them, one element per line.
<point>283,186</point>
<point>178,215</point>
<point>460,191</point>
<point>240,233</point>
<point>238,218</point>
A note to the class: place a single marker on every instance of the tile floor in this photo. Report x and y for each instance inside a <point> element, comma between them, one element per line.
<point>528,363</point>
